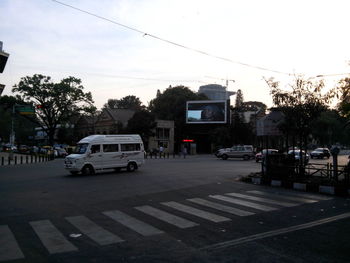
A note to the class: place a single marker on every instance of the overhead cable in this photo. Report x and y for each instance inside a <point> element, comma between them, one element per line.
<point>171,42</point>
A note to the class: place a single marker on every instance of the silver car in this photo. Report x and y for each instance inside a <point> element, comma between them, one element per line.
<point>238,151</point>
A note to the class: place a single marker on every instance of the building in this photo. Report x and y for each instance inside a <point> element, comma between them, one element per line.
<point>164,136</point>
<point>216,92</point>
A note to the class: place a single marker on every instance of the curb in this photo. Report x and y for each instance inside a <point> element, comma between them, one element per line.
<point>306,187</point>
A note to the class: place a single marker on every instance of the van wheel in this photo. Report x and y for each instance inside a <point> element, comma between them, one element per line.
<point>88,170</point>
<point>131,167</point>
<point>224,157</point>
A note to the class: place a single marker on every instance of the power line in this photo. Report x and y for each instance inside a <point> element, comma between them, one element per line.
<point>171,42</point>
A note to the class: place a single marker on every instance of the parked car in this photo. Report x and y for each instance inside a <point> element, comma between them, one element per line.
<point>60,152</point>
<point>296,154</point>
<point>320,153</point>
<point>239,151</point>
<point>259,156</point>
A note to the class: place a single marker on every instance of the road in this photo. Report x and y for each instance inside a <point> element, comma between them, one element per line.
<point>170,210</point>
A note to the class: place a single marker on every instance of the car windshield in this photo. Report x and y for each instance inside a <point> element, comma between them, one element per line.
<point>81,148</point>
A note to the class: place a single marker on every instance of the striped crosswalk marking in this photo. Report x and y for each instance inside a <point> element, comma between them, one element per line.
<point>220,207</point>
<point>167,217</point>
<point>243,203</point>
<point>196,212</point>
<point>285,197</point>
<point>9,249</point>
<point>264,200</point>
<point>95,232</point>
<point>133,223</point>
<point>51,238</point>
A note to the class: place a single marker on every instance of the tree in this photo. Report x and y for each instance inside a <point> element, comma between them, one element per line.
<point>171,105</point>
<point>344,90</point>
<point>24,129</point>
<point>143,123</point>
<point>129,102</point>
<point>239,99</point>
<point>56,103</point>
<point>303,104</point>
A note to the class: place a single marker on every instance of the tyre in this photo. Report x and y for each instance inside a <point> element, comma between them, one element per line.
<point>131,167</point>
<point>224,156</point>
<point>88,170</point>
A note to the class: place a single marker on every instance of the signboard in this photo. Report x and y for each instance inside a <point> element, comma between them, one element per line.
<point>25,109</point>
<point>206,111</point>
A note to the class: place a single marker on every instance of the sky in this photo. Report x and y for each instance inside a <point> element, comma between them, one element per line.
<point>187,42</point>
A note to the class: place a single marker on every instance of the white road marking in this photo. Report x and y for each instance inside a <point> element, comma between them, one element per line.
<point>9,248</point>
<point>167,217</point>
<point>100,235</point>
<point>52,239</point>
<point>295,198</point>
<point>224,208</point>
<point>133,223</point>
<point>272,233</point>
<point>243,203</point>
<point>264,200</point>
<point>196,212</point>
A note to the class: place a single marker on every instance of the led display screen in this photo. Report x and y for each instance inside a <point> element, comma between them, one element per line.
<point>206,111</point>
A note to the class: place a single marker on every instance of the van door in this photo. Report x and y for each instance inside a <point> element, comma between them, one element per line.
<point>111,156</point>
<point>95,156</point>
<point>131,152</point>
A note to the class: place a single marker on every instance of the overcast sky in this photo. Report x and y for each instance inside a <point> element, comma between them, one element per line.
<point>294,37</point>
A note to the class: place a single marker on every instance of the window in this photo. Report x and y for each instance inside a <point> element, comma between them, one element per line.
<point>130,147</point>
<point>110,147</point>
<point>95,148</point>
<point>162,133</point>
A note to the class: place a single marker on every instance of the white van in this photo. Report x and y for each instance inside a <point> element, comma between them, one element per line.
<point>99,152</point>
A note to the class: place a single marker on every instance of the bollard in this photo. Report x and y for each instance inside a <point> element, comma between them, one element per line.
<point>2,160</point>
<point>15,159</point>
<point>9,161</point>
<point>36,158</point>
<point>21,159</point>
<point>26,158</point>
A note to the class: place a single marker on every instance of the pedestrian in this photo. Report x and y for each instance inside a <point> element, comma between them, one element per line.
<point>161,150</point>
<point>184,152</point>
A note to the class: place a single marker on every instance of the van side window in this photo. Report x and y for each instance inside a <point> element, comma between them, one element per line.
<point>127,147</point>
<point>95,148</point>
<point>110,147</point>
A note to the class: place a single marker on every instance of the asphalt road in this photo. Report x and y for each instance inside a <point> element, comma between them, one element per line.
<point>170,210</point>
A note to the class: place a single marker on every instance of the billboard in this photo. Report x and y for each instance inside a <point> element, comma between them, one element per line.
<point>206,111</point>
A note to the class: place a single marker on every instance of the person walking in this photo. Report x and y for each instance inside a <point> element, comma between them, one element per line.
<point>184,152</point>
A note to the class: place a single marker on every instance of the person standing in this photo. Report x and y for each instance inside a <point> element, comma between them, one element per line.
<point>161,150</point>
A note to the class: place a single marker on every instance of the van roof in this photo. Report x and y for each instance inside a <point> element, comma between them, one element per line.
<point>111,138</point>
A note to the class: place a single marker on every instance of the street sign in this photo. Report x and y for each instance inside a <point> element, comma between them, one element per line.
<point>25,109</point>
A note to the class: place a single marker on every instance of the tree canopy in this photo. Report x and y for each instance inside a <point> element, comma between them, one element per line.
<point>301,105</point>
<point>56,103</point>
<point>128,102</point>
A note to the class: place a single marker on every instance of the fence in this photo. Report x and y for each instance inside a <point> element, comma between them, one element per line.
<point>24,159</point>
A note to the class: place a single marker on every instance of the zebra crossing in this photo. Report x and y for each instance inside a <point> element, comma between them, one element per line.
<point>232,205</point>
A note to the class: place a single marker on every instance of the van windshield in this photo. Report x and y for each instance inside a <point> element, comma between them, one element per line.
<point>81,148</point>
